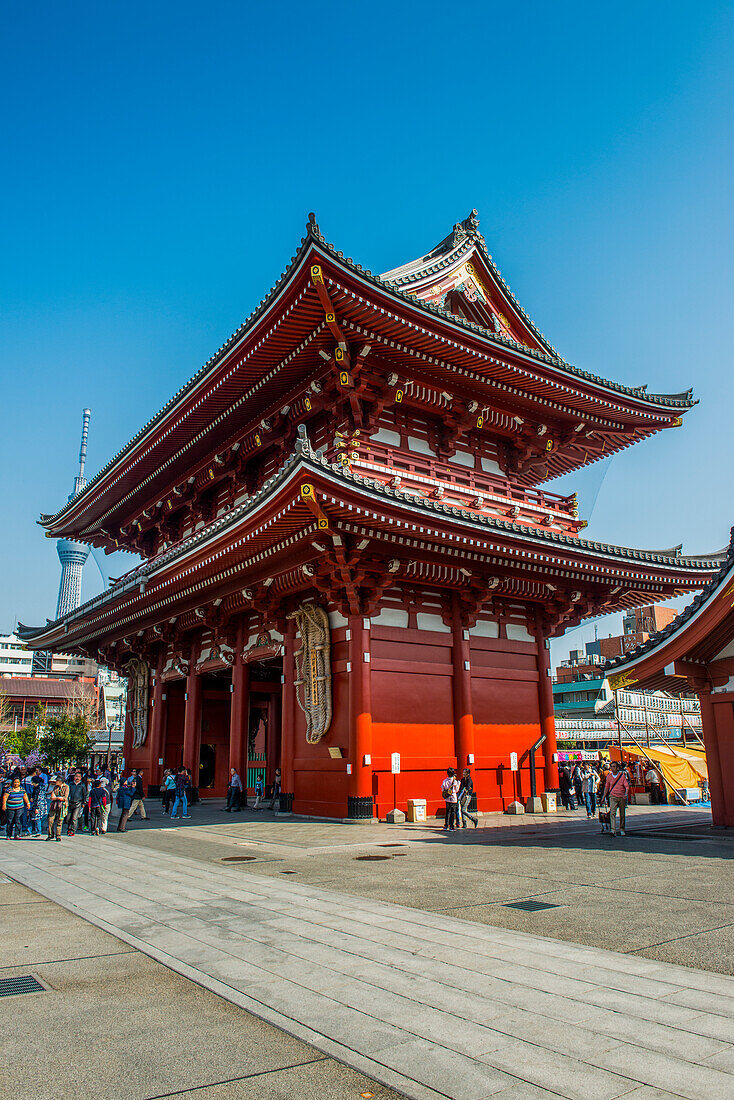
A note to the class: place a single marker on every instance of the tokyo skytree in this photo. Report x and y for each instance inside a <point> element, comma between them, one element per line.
<point>73,555</point>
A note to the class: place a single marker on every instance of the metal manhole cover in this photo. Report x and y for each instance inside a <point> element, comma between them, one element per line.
<point>288,872</point>
<point>371,858</point>
<point>391,845</point>
<point>530,906</point>
<point>11,987</point>
<point>238,859</point>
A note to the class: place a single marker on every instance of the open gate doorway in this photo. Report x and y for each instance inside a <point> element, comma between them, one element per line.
<point>264,723</point>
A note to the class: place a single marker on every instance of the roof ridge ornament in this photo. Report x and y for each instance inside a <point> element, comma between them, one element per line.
<point>468,228</point>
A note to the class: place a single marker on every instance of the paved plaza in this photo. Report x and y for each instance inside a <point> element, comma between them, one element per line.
<point>411,970</point>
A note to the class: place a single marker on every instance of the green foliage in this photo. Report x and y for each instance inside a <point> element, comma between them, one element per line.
<point>65,738</point>
<point>22,742</point>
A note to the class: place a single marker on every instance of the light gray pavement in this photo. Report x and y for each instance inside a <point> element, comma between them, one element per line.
<point>421,1001</point>
<point>112,1024</point>
<point>664,893</point>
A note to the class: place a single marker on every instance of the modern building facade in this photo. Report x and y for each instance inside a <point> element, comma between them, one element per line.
<point>16,659</point>
<point>694,655</point>
<point>348,550</point>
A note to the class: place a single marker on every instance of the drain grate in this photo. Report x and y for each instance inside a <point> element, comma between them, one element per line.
<point>391,845</point>
<point>530,906</point>
<point>371,859</point>
<point>238,859</point>
<point>288,872</point>
<point>11,987</point>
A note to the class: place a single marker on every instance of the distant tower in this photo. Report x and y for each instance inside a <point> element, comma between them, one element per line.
<point>73,555</point>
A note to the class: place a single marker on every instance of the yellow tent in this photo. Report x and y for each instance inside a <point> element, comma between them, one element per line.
<point>679,767</point>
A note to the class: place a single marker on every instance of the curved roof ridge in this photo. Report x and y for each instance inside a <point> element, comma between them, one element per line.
<point>726,557</point>
<point>313,233</point>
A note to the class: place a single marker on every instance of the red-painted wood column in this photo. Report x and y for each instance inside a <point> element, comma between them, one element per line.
<point>127,740</point>
<point>192,723</point>
<point>239,711</point>
<point>360,802</point>
<point>157,724</point>
<point>545,706</point>
<point>720,812</point>
<point>288,721</point>
<point>463,713</point>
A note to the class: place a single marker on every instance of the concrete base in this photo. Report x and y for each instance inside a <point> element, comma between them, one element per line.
<point>534,806</point>
<point>515,808</point>
<point>395,817</point>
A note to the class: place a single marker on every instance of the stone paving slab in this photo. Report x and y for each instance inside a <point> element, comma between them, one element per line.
<point>421,1001</point>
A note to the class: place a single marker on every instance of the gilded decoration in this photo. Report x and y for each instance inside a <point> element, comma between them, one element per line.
<point>621,680</point>
<point>138,675</point>
<point>313,670</point>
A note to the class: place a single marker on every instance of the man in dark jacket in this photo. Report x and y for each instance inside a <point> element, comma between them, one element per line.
<point>125,796</point>
<point>77,795</point>
<point>137,803</point>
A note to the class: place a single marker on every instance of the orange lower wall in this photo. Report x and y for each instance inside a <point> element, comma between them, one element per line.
<point>412,711</point>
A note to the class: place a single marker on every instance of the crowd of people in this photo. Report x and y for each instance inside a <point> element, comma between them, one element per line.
<point>37,802</point>
<point>605,788</point>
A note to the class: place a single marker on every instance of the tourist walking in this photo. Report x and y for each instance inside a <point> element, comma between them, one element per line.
<point>565,786</point>
<point>77,793</point>
<point>276,790</point>
<point>15,804</point>
<point>234,792</point>
<point>58,799</point>
<point>138,804</point>
<point>259,791</point>
<point>652,779</point>
<point>125,796</point>
<point>589,783</point>
<point>39,805</point>
<point>104,783</point>
<point>169,790</point>
<point>450,794</point>
<point>616,789</point>
<point>96,803</point>
<point>182,782</point>
<point>466,790</point>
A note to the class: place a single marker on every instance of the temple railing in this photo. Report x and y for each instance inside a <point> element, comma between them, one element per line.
<point>438,477</point>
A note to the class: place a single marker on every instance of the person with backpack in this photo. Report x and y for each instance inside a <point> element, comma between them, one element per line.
<point>616,789</point>
<point>97,803</point>
<point>466,790</point>
<point>169,790</point>
<point>450,794</point>
<point>259,791</point>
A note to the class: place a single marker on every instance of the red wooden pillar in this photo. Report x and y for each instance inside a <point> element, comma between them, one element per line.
<point>360,803</point>
<point>545,706</point>
<point>192,724</point>
<point>463,712</point>
<point>157,725</point>
<point>127,739</point>
<point>288,721</point>
<point>719,809</point>
<point>240,707</point>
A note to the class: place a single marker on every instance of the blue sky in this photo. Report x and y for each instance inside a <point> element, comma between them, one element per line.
<point>161,160</point>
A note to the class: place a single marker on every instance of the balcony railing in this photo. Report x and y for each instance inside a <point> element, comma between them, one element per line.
<point>476,490</point>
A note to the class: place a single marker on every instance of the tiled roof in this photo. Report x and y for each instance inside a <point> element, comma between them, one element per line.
<point>710,590</point>
<point>681,401</point>
<point>17,687</point>
<point>303,454</point>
